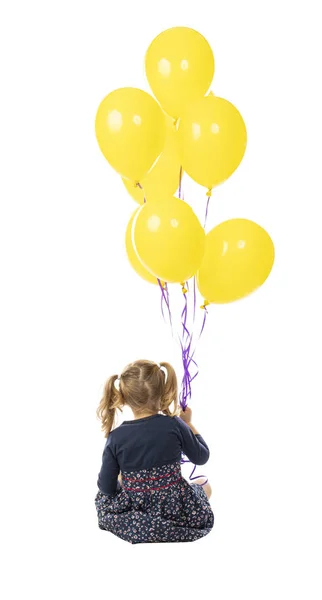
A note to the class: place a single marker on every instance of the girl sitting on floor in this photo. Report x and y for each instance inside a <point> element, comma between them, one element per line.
<point>142,495</point>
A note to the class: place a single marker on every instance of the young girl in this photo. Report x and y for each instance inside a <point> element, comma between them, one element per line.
<point>142,495</point>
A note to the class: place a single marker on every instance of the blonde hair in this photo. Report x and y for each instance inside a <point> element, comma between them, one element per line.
<point>143,387</point>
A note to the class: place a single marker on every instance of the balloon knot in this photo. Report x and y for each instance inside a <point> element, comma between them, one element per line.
<point>184,289</point>
<point>163,284</point>
<point>137,184</point>
<point>205,304</point>
<point>175,123</point>
<point>209,193</point>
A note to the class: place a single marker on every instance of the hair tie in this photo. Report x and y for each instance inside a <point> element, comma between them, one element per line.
<point>164,370</point>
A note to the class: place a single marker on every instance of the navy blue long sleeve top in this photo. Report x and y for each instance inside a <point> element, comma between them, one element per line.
<point>145,443</point>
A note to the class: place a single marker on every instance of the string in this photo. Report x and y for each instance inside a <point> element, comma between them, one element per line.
<point>192,475</point>
<point>165,300</point>
<point>209,194</point>
<point>186,340</point>
<point>187,355</point>
<point>141,188</point>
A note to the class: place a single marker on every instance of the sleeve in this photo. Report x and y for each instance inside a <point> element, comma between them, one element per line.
<point>193,446</point>
<point>107,479</point>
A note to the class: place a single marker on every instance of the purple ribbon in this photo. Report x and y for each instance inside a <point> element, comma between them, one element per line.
<point>141,188</point>
<point>207,209</point>
<point>187,361</point>
<point>186,341</point>
<point>192,477</point>
<point>165,300</point>
<point>190,367</point>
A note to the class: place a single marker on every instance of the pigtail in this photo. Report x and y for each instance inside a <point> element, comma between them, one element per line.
<point>170,392</point>
<point>111,400</point>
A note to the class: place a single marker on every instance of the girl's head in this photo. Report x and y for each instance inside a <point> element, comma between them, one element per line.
<point>142,386</point>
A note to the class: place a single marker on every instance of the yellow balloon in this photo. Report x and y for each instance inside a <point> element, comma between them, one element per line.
<point>163,179</point>
<point>169,239</point>
<point>179,66</point>
<point>132,255</point>
<point>130,130</point>
<point>213,140</point>
<point>238,258</point>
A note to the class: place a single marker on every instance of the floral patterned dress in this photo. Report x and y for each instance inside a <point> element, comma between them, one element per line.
<point>155,504</point>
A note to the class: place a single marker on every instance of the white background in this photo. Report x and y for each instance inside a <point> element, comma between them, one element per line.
<point>73,312</point>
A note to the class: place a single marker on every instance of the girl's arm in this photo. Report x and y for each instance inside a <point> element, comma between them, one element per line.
<point>193,429</point>
<point>193,444</point>
<point>108,482</point>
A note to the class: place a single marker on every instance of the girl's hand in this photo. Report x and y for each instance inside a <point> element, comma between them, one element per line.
<point>186,415</point>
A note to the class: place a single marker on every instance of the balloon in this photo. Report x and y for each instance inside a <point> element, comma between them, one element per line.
<point>179,66</point>
<point>163,179</point>
<point>132,255</point>
<point>169,239</point>
<point>130,130</point>
<point>213,139</point>
<point>238,258</point>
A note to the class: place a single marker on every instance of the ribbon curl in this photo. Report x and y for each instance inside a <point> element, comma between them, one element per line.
<point>186,342</point>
